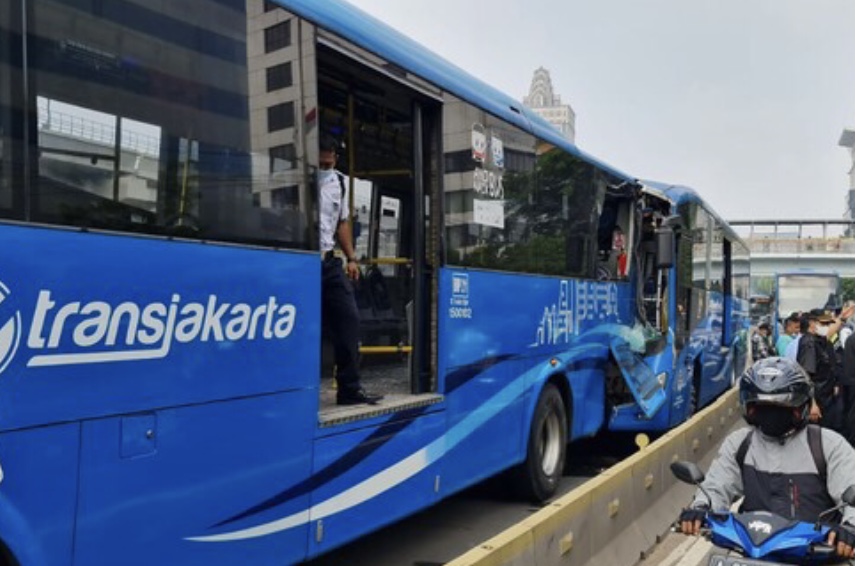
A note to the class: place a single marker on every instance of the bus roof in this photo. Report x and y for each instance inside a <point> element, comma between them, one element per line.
<point>680,194</point>
<point>370,33</point>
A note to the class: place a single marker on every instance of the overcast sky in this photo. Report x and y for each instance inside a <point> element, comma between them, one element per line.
<point>743,100</point>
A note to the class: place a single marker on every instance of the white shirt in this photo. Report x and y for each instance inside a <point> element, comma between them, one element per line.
<point>844,335</point>
<point>333,207</point>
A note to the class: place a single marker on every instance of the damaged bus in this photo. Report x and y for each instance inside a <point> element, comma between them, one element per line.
<point>166,395</point>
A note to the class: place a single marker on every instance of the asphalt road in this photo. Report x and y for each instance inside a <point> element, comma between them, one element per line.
<point>450,528</point>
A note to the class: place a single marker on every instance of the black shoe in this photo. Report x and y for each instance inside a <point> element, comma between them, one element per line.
<point>357,397</point>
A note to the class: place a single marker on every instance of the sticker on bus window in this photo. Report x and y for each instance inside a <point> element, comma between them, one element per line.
<point>479,143</point>
<point>489,212</point>
<point>497,151</point>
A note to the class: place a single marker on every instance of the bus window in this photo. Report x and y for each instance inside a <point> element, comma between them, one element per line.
<point>614,235</point>
<point>11,204</point>
<point>517,204</point>
<point>135,137</point>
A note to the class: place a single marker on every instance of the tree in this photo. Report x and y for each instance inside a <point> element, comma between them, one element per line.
<point>847,289</point>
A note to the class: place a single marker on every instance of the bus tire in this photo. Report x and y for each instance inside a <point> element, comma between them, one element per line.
<point>6,557</point>
<point>538,476</point>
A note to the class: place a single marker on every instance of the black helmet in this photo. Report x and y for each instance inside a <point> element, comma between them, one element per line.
<point>775,381</point>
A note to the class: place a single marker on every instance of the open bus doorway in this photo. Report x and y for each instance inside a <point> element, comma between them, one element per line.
<point>385,130</point>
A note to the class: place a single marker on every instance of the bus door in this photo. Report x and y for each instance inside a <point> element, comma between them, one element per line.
<point>388,133</point>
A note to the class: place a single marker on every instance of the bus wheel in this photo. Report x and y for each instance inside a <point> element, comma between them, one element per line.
<point>538,476</point>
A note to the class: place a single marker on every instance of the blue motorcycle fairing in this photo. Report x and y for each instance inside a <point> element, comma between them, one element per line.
<point>788,541</point>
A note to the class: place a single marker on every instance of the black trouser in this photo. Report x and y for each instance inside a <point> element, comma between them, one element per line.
<point>831,405</point>
<point>340,319</point>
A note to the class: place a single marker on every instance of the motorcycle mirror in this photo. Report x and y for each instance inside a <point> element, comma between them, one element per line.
<point>848,498</point>
<point>689,472</point>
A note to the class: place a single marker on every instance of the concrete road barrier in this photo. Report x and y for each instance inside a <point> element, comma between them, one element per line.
<point>618,516</point>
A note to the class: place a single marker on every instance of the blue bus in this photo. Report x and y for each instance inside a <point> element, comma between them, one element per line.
<point>166,392</point>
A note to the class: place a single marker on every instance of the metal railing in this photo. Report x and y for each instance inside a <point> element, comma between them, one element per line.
<point>801,246</point>
<point>82,128</point>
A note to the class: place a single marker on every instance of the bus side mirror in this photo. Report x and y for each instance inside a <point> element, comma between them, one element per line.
<point>664,247</point>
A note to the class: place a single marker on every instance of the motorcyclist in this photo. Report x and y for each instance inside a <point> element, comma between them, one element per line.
<point>780,471</point>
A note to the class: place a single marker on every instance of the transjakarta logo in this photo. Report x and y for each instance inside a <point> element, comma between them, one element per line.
<point>129,331</point>
<point>10,330</point>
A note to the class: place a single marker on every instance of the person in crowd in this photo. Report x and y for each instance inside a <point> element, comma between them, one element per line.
<point>791,330</point>
<point>339,313</point>
<point>780,463</point>
<point>840,331</point>
<point>847,322</point>
<point>839,324</point>
<point>793,347</point>
<point>761,342</point>
<point>847,382</point>
<point>816,356</point>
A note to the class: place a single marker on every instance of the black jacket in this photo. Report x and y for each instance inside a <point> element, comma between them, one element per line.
<point>847,375</point>
<point>816,356</point>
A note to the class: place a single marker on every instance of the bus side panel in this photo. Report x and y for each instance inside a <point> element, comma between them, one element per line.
<point>38,493</point>
<point>151,481</point>
<point>124,323</point>
<point>715,376</point>
<point>367,478</point>
<point>493,360</point>
<point>739,342</point>
<point>487,427</point>
<point>703,349</point>
<point>630,418</point>
<point>681,385</point>
<point>588,392</point>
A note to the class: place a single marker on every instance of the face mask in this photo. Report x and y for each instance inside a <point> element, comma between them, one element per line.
<point>774,421</point>
<point>822,330</point>
<point>325,175</point>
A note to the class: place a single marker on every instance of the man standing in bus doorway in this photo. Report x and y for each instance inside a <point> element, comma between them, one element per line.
<point>340,316</point>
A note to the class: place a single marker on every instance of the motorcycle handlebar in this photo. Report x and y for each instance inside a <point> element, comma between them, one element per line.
<point>704,531</point>
<point>822,550</point>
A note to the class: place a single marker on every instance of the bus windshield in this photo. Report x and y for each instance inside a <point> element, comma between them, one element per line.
<point>804,292</point>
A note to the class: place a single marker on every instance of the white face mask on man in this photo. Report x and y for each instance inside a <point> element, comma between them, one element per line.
<point>822,330</point>
<point>325,175</point>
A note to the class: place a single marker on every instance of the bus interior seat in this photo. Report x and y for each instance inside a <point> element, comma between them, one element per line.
<point>379,293</point>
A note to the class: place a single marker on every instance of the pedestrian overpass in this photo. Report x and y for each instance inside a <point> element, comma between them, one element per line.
<point>778,245</point>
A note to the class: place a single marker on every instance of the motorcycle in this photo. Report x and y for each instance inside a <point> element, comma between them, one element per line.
<point>763,538</point>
